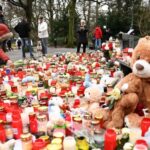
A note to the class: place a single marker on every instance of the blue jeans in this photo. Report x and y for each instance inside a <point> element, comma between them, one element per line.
<point>97,43</point>
<point>44,45</point>
<point>26,43</point>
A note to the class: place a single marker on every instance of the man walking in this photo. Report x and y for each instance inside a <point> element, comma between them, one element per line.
<point>23,29</point>
<point>43,34</point>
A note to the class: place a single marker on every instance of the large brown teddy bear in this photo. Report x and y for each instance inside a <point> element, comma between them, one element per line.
<point>135,87</point>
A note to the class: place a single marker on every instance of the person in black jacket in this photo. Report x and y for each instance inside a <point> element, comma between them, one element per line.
<point>23,29</point>
<point>82,36</point>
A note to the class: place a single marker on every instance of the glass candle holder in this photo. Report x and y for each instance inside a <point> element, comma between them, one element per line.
<point>69,143</point>
<point>42,123</point>
<point>135,133</point>
<point>26,140</point>
<point>140,147</point>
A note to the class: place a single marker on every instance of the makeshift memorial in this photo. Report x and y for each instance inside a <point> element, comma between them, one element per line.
<point>133,85</point>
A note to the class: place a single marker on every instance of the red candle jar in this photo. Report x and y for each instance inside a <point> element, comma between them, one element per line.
<point>110,140</point>
<point>44,99</point>
<point>141,141</point>
<point>2,132</point>
<point>17,124</point>
<point>33,123</point>
<point>81,90</point>
<point>140,147</point>
<point>39,144</point>
<point>14,89</point>
<point>53,82</point>
<point>2,113</point>
<point>76,103</point>
<point>36,108</point>
<point>2,93</point>
<point>145,124</point>
<point>112,72</point>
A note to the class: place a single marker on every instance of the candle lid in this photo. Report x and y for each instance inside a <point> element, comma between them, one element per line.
<point>56,141</point>
<point>41,117</point>
<point>54,147</point>
<point>45,137</point>
<point>43,108</point>
<point>78,119</point>
<point>58,134</point>
<point>94,122</point>
<point>26,137</point>
<point>99,116</point>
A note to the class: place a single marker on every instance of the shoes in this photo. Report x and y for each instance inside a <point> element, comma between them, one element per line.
<point>33,57</point>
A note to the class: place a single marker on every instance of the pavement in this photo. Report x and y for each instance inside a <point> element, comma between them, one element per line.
<point>17,54</point>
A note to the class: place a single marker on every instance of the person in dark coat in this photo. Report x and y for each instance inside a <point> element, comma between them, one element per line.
<point>23,29</point>
<point>82,36</point>
<point>9,44</point>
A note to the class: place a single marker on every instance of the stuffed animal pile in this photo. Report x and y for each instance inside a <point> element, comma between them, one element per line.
<point>132,89</point>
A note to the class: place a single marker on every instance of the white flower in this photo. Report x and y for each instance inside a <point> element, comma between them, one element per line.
<point>125,131</point>
<point>128,146</point>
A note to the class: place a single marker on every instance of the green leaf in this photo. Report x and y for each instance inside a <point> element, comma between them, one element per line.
<point>111,104</point>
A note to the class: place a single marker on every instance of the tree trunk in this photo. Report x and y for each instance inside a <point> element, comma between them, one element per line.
<point>84,9</point>
<point>97,13</point>
<point>51,5</point>
<point>89,14</point>
<point>28,11</point>
<point>71,10</point>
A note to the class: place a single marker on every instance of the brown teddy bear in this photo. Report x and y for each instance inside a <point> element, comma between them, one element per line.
<point>135,87</point>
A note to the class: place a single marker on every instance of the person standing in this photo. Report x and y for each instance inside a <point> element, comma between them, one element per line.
<point>9,44</point>
<point>23,29</point>
<point>43,34</point>
<point>98,36</point>
<point>18,43</point>
<point>82,36</point>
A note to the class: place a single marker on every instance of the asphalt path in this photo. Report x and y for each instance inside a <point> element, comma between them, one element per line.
<point>17,54</point>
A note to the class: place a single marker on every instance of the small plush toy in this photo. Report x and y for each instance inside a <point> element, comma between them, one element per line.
<point>133,124</point>
<point>28,79</point>
<point>135,87</point>
<point>92,98</point>
<point>88,83</point>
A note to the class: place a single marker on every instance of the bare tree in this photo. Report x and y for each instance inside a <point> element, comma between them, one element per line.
<point>143,20</point>
<point>26,5</point>
<point>71,11</point>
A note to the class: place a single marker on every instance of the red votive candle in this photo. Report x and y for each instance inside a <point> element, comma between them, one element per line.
<point>141,141</point>
<point>14,89</point>
<point>145,124</point>
<point>110,140</point>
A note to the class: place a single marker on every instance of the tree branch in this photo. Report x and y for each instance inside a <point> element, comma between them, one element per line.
<point>15,3</point>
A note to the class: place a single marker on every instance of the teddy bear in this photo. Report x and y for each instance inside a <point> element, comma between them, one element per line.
<point>91,100</point>
<point>134,88</point>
